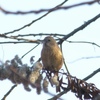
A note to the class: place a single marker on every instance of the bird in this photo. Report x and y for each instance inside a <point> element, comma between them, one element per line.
<point>52,59</point>
<point>51,55</point>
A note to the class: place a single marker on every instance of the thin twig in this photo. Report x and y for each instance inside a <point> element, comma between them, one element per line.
<point>79,28</point>
<point>51,94</point>
<point>8,92</point>
<point>92,74</point>
<point>91,57</point>
<point>27,25</point>
<point>39,34</point>
<point>84,42</point>
<point>64,61</point>
<point>29,51</point>
<point>16,38</point>
<point>60,94</point>
<point>45,10</point>
<point>13,42</point>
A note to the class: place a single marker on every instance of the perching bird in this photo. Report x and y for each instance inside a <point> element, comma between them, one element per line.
<point>51,55</point>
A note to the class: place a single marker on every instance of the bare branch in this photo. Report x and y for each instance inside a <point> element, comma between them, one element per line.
<point>39,34</point>
<point>60,94</point>
<point>64,61</point>
<point>45,10</point>
<point>92,74</point>
<point>16,38</point>
<point>91,57</point>
<point>84,42</point>
<point>4,98</point>
<point>27,25</point>
<point>54,98</point>
<point>79,28</point>
<point>29,51</point>
<point>13,42</point>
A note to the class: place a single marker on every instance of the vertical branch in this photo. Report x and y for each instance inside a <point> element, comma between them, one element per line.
<point>64,61</point>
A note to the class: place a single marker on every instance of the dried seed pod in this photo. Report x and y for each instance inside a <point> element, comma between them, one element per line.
<point>37,66</point>
<point>32,59</point>
<point>26,85</point>
<point>3,74</point>
<point>16,79</point>
<point>54,80</point>
<point>45,85</point>
<point>35,73</point>
<point>33,76</point>
<point>38,84</point>
<point>97,97</point>
<point>7,69</point>
<point>18,59</point>
<point>23,71</point>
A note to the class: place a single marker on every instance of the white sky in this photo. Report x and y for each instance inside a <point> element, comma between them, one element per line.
<point>63,22</point>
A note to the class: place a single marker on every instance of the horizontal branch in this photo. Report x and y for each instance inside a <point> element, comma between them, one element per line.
<point>90,57</point>
<point>39,34</point>
<point>45,10</point>
<point>93,43</point>
<point>13,42</point>
<point>18,39</point>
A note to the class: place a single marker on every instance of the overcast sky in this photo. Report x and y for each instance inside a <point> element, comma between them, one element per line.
<point>61,22</point>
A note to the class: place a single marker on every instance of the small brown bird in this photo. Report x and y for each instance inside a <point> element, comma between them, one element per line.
<point>51,55</point>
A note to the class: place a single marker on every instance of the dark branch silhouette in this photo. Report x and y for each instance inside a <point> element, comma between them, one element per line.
<point>29,51</point>
<point>46,10</point>
<point>27,25</point>
<point>90,57</point>
<point>38,34</point>
<point>79,28</point>
<point>4,98</point>
<point>92,74</point>
<point>87,42</point>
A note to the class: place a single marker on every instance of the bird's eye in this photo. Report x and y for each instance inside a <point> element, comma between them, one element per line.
<point>48,40</point>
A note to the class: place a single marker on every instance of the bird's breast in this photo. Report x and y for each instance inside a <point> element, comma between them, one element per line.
<point>52,58</point>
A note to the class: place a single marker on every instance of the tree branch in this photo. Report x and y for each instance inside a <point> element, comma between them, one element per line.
<point>27,25</point>
<point>16,38</point>
<point>93,43</point>
<point>39,34</point>
<point>45,10</point>
<point>4,98</point>
<point>91,57</point>
<point>29,51</point>
<point>92,74</point>
<point>69,88</point>
<point>79,28</point>
<point>60,94</point>
<point>13,42</point>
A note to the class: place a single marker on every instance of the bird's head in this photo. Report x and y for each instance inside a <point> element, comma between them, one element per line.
<point>49,41</point>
